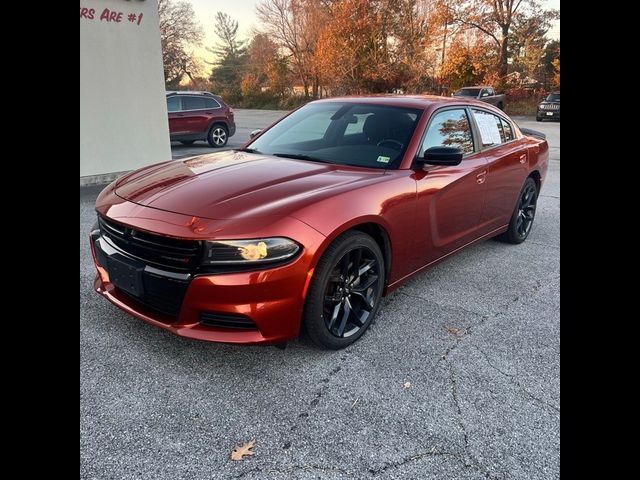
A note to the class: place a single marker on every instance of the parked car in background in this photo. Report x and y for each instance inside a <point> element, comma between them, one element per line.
<point>549,107</point>
<point>482,93</point>
<point>317,218</point>
<point>199,116</point>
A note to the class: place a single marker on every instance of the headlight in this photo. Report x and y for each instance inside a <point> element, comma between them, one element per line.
<point>242,252</point>
<point>541,107</point>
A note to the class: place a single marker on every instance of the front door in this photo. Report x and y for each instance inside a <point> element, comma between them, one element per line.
<point>177,118</point>
<point>450,198</point>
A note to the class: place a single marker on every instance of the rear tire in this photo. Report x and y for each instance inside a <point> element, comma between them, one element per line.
<point>538,119</point>
<point>523,215</point>
<point>345,291</point>
<point>218,136</point>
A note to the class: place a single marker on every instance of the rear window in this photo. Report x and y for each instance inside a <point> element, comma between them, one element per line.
<point>490,126</point>
<point>211,103</point>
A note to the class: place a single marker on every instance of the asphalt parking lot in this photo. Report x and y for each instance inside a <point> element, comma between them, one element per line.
<point>458,378</point>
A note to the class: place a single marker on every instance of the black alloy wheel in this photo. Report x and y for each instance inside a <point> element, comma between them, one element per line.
<point>523,215</point>
<point>350,294</point>
<point>345,292</point>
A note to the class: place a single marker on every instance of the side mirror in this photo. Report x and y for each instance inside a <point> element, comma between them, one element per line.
<point>442,156</point>
<point>254,133</point>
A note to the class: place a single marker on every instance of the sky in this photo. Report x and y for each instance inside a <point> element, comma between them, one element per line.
<point>244,11</point>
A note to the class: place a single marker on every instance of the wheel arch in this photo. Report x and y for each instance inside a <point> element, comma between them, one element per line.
<point>535,174</point>
<point>214,123</point>
<point>373,227</point>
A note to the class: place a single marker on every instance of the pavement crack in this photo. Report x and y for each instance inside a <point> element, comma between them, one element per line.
<point>515,380</point>
<point>294,468</point>
<point>468,460</point>
<point>418,297</point>
<point>434,452</point>
<point>456,401</point>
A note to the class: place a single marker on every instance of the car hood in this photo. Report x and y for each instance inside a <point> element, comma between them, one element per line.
<point>236,184</point>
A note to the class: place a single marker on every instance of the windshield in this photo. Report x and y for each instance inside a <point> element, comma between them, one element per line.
<point>345,133</point>
<point>467,92</point>
<point>553,97</point>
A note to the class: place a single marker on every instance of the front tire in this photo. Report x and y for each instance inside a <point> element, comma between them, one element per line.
<point>523,215</point>
<point>345,291</point>
<point>218,136</point>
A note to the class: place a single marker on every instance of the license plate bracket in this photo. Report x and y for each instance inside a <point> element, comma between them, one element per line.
<point>126,276</point>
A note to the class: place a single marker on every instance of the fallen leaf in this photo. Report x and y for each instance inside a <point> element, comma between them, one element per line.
<point>355,402</point>
<point>453,331</point>
<point>406,385</point>
<point>240,451</point>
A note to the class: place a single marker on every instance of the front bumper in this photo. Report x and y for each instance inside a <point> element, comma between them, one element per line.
<point>271,300</point>
<point>550,114</point>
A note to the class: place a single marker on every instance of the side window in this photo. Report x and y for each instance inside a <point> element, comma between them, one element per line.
<point>193,103</point>
<point>508,131</point>
<point>490,126</point>
<point>449,129</point>
<point>490,91</point>
<point>173,104</point>
<point>211,103</point>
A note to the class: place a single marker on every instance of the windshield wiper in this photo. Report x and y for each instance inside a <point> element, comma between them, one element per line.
<point>248,150</point>
<point>297,156</point>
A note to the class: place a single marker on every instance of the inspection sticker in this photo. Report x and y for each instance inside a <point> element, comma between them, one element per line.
<point>382,159</point>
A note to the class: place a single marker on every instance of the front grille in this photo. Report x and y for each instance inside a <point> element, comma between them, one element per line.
<point>226,320</point>
<point>155,250</point>
<point>550,106</point>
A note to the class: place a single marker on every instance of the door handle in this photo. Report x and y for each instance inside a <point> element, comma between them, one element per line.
<point>523,158</point>
<point>180,115</point>
<point>480,178</point>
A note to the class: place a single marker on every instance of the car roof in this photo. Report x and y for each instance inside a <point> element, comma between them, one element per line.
<point>476,86</point>
<point>407,101</point>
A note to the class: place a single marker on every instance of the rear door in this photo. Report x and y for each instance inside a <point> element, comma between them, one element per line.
<point>507,165</point>
<point>196,114</point>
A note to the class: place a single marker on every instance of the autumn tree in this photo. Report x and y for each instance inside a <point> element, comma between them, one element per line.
<point>496,19</point>
<point>411,25</point>
<point>230,64</point>
<point>469,61</point>
<point>556,72</point>
<point>262,53</point>
<point>180,34</point>
<point>296,26</point>
<point>550,60</point>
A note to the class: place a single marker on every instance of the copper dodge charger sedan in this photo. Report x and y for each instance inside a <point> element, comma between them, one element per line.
<point>315,219</point>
